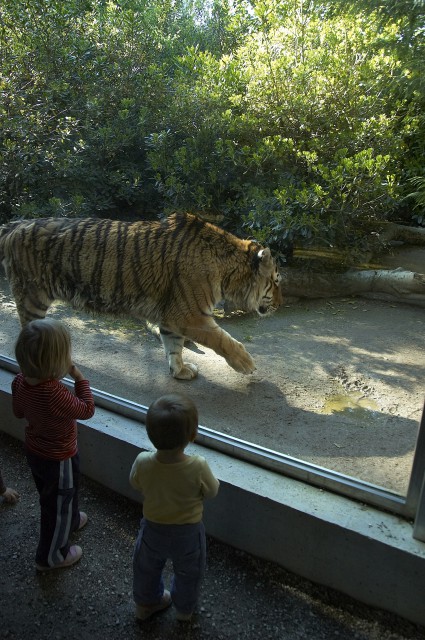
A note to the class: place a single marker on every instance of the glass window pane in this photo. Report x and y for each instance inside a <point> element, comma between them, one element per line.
<point>338,383</point>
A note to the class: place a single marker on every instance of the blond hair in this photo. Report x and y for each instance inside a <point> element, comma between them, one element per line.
<point>172,421</point>
<point>43,349</point>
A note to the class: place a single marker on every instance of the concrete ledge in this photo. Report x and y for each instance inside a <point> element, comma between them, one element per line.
<point>365,553</point>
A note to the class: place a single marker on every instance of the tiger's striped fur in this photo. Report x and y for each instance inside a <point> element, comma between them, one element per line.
<point>171,273</point>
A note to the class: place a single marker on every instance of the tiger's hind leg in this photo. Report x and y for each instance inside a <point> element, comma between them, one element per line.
<point>173,345</point>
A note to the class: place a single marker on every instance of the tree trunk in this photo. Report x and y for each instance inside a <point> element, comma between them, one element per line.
<point>395,285</point>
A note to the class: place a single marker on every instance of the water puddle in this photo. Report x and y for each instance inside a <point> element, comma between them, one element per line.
<point>353,404</point>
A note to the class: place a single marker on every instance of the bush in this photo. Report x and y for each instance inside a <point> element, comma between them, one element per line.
<point>296,126</point>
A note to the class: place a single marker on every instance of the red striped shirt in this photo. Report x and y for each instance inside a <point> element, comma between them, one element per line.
<point>52,412</point>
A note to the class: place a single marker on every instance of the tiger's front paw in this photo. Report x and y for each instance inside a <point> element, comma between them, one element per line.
<point>187,372</point>
<point>241,361</point>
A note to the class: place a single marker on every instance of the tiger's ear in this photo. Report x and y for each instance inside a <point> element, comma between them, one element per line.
<point>264,257</point>
<point>264,254</point>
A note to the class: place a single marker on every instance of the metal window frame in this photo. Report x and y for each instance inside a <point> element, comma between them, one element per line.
<point>412,505</point>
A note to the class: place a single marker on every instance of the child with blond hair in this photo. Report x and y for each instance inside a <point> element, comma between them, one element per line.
<point>43,352</point>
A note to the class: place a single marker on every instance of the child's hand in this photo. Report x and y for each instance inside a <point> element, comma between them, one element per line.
<point>75,373</point>
<point>10,495</point>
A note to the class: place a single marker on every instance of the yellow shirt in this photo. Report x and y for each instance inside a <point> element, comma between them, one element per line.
<point>173,493</point>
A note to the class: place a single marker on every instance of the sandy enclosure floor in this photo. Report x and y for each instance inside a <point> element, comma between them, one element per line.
<point>338,383</point>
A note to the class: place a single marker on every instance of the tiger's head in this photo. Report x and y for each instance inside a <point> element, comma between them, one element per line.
<point>269,291</point>
<point>255,287</point>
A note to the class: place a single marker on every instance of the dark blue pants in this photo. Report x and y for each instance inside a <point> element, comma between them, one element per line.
<point>57,484</point>
<point>185,546</point>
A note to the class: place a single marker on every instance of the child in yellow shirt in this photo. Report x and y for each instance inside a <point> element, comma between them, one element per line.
<point>174,486</point>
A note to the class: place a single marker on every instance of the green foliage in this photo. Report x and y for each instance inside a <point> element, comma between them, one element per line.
<point>418,197</point>
<point>293,135</point>
<point>81,88</point>
<point>298,122</point>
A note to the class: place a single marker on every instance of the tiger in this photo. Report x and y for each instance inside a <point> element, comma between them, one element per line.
<point>170,272</point>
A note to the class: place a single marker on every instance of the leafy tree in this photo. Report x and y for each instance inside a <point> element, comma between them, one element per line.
<point>296,122</point>
<point>296,133</point>
<point>82,85</point>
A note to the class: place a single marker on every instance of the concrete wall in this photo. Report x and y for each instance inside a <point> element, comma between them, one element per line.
<point>365,553</point>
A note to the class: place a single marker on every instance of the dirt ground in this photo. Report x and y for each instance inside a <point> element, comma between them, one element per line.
<point>338,383</point>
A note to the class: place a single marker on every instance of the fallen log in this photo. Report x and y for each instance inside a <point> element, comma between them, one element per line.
<point>409,235</point>
<point>395,285</point>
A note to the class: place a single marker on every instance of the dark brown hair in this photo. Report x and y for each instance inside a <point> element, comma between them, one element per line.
<point>172,421</point>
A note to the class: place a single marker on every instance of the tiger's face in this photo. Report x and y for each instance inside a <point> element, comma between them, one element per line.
<point>264,293</point>
<point>271,297</point>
